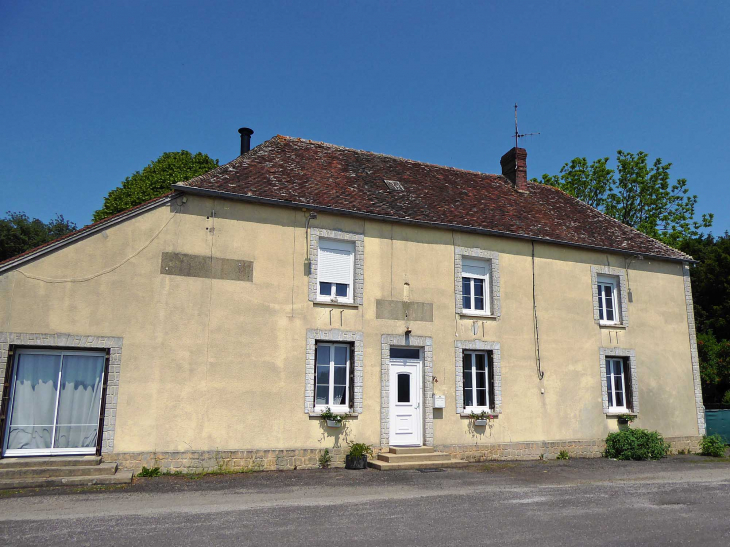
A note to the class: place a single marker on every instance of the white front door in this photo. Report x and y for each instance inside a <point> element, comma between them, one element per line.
<point>406,394</point>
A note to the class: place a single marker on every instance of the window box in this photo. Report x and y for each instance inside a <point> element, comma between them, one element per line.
<point>480,421</point>
<point>333,423</point>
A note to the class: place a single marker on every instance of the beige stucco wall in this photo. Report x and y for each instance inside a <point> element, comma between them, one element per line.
<point>215,364</point>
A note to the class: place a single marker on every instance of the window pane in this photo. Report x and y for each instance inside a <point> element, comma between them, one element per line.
<point>481,397</point>
<point>340,375</point>
<point>466,293</point>
<point>608,290</point>
<point>467,371</point>
<point>341,355</point>
<point>339,396</point>
<point>600,302</point>
<point>619,399</point>
<point>481,379</point>
<point>479,287</point>
<point>404,388</point>
<point>341,289</point>
<point>468,401</point>
<point>610,395</point>
<point>479,303</point>
<point>323,375</point>
<point>405,353</point>
<point>323,355</point>
<point>322,395</point>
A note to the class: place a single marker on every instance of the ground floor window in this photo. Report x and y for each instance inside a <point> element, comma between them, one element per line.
<point>333,381</point>
<point>55,402</point>
<point>478,383</point>
<point>618,384</point>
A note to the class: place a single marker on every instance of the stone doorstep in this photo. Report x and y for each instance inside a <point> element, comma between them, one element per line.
<point>436,464</point>
<point>411,449</point>
<point>120,477</point>
<point>403,458</point>
<point>44,472</point>
<point>51,461</point>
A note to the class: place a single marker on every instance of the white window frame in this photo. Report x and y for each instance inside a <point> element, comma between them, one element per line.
<point>342,409</point>
<point>611,387</point>
<point>50,451</point>
<point>348,246</point>
<point>474,408</point>
<point>487,289</point>
<point>613,282</point>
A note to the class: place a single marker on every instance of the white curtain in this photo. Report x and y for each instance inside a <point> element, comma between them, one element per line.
<point>79,400</point>
<point>34,402</point>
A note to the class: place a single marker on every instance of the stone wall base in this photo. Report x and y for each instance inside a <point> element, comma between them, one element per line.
<point>308,458</point>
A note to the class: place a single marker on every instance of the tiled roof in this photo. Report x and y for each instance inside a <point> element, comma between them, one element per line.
<point>86,230</point>
<point>304,173</point>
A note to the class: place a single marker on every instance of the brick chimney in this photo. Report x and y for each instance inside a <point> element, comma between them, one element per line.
<point>514,167</point>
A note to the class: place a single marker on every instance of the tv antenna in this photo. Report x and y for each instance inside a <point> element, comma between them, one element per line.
<point>519,135</point>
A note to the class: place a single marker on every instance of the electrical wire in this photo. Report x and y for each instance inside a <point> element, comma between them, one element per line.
<point>540,373</point>
<point>103,272</point>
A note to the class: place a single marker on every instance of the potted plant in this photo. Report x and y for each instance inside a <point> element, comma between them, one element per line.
<point>357,458</point>
<point>332,419</point>
<point>481,418</point>
<point>626,419</point>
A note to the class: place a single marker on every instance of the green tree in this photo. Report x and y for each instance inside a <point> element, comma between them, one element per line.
<point>155,180</point>
<point>638,194</point>
<point>19,233</point>
<point>711,295</point>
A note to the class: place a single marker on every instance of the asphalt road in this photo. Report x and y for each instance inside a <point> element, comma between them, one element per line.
<point>677,501</point>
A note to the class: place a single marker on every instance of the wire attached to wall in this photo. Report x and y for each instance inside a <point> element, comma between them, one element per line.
<point>540,373</point>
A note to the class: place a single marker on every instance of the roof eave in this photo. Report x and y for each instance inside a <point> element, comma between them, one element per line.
<point>373,216</point>
<point>83,233</point>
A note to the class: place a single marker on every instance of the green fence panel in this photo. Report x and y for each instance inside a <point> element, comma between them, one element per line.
<point>718,422</point>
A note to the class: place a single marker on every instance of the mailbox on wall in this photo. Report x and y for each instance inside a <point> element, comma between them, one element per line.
<point>439,401</point>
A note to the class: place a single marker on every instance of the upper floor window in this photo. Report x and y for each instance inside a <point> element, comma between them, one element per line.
<point>608,300</point>
<point>475,291</point>
<point>335,270</point>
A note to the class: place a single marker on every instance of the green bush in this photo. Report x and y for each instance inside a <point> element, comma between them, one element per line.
<point>712,445</point>
<point>726,398</point>
<point>153,472</point>
<point>563,455</point>
<point>325,459</point>
<point>636,444</point>
<point>358,450</point>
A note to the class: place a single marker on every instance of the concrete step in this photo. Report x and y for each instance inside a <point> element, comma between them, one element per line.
<point>402,458</point>
<point>436,464</point>
<point>50,461</point>
<point>121,477</point>
<point>411,449</point>
<point>62,471</point>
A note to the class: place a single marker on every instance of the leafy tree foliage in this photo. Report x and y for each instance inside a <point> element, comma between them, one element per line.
<point>711,295</point>
<point>19,233</point>
<point>636,193</point>
<point>155,180</point>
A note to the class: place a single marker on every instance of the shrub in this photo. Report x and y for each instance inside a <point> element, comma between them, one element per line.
<point>563,455</point>
<point>325,459</point>
<point>726,398</point>
<point>712,445</point>
<point>358,450</point>
<point>152,472</point>
<point>636,444</point>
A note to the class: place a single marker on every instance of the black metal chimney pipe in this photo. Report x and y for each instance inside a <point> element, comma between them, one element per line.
<point>245,139</point>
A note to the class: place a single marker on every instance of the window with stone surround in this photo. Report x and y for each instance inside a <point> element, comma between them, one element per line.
<point>334,370</point>
<point>336,267</point>
<point>610,296</point>
<point>619,382</point>
<point>476,282</point>
<point>478,377</point>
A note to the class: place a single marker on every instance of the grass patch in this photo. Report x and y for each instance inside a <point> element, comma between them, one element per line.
<point>498,466</point>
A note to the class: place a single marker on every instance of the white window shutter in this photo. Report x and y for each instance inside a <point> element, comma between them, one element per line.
<point>335,262</point>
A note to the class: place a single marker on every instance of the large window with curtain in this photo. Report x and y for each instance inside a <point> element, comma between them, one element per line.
<point>55,402</point>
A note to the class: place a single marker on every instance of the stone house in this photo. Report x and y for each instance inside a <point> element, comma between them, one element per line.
<point>215,324</point>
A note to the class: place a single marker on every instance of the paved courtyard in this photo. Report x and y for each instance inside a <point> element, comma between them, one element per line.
<point>678,501</point>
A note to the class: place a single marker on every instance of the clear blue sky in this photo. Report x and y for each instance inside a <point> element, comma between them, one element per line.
<point>91,92</point>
